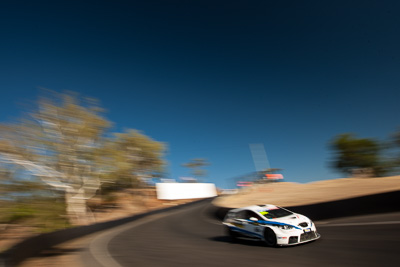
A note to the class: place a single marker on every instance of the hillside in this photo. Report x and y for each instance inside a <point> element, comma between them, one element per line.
<point>295,194</point>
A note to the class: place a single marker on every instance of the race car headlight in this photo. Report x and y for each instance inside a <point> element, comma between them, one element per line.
<point>285,227</point>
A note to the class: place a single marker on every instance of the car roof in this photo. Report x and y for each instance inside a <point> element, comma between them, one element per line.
<point>257,208</point>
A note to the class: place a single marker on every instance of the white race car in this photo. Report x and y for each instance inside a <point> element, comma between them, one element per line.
<point>274,225</point>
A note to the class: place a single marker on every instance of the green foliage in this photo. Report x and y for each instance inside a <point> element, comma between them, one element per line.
<point>357,153</point>
<point>15,189</point>
<point>20,213</point>
<point>129,157</point>
<point>391,156</point>
<point>45,214</point>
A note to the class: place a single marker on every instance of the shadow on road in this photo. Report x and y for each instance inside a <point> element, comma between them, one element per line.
<point>242,241</point>
<point>57,251</point>
<point>255,243</point>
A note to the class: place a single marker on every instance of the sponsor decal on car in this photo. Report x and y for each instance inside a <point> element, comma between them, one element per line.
<point>245,232</point>
<point>260,222</point>
<point>237,225</point>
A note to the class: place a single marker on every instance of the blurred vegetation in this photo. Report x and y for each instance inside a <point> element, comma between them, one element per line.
<point>60,155</point>
<point>130,158</point>
<point>27,204</point>
<point>45,214</point>
<point>366,157</point>
<point>395,140</point>
<point>196,165</point>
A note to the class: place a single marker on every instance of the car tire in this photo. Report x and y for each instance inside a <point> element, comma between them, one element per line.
<point>232,234</point>
<point>269,237</point>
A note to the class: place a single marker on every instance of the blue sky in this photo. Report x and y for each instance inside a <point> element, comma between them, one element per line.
<point>211,77</point>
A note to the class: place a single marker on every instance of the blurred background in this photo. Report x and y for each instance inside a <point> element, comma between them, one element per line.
<point>102,100</point>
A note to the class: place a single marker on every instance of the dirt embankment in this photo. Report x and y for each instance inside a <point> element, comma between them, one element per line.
<point>295,194</point>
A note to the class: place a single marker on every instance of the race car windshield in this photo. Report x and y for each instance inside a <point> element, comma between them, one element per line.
<point>275,213</point>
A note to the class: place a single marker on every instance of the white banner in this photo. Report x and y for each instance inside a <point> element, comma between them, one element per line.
<point>185,190</point>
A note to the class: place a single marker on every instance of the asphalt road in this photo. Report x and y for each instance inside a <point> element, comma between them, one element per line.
<point>189,237</point>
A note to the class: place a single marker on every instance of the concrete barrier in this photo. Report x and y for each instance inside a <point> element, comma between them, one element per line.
<point>33,246</point>
<point>371,204</point>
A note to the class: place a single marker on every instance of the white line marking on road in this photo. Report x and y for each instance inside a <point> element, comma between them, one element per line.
<point>98,247</point>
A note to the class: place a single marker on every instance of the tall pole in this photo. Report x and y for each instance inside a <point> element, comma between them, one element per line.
<point>260,158</point>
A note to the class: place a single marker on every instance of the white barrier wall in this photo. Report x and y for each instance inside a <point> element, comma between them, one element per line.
<point>185,190</point>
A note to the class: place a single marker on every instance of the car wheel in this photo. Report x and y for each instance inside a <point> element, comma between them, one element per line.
<point>231,234</point>
<point>269,237</point>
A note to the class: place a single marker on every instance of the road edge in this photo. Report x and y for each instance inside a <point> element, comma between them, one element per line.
<point>34,245</point>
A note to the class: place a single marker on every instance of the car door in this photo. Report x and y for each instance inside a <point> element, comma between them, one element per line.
<point>250,227</point>
<point>240,219</point>
<point>253,224</point>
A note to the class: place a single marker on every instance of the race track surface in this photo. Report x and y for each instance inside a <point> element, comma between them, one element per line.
<point>192,238</point>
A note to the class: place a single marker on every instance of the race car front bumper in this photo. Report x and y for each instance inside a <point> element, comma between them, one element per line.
<point>297,239</point>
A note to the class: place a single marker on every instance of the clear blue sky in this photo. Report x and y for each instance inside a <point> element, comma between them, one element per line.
<point>211,77</point>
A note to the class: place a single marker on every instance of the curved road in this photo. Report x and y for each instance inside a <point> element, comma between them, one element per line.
<point>188,237</point>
